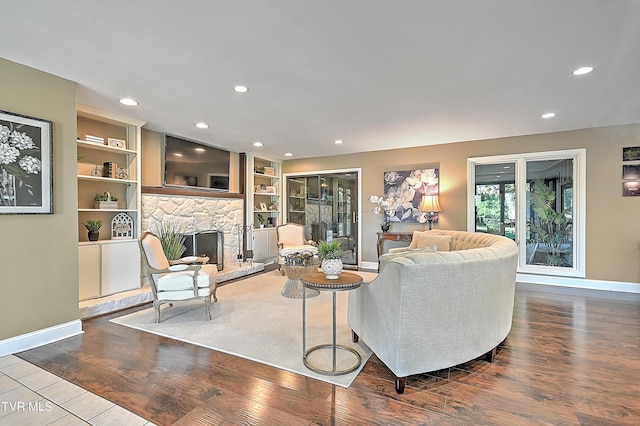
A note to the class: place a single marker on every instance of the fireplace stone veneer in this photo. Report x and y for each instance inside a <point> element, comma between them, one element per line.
<point>195,214</point>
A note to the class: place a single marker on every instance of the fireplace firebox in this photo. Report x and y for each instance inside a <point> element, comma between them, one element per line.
<point>206,243</point>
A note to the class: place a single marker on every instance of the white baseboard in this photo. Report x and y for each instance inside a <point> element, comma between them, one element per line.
<point>37,338</point>
<point>369,265</point>
<point>579,283</point>
<point>559,281</point>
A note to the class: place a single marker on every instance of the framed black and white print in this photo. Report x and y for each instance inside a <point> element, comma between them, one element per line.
<point>631,153</point>
<point>631,171</point>
<point>26,164</point>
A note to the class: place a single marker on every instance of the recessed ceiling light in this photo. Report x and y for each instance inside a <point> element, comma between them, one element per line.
<point>288,154</point>
<point>199,149</point>
<point>337,142</point>
<point>257,144</point>
<point>202,125</point>
<point>548,115</point>
<point>177,154</point>
<point>583,70</point>
<point>128,101</point>
<point>241,89</point>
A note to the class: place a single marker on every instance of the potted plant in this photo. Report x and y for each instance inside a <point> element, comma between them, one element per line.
<point>106,201</point>
<point>93,228</point>
<point>330,253</point>
<point>262,220</point>
<point>172,240</point>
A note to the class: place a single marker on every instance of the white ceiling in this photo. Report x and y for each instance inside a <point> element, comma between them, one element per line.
<point>377,74</point>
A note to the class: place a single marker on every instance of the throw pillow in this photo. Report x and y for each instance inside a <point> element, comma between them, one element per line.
<point>414,240</point>
<point>443,242</point>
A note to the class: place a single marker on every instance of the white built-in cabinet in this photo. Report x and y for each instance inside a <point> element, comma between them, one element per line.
<point>111,264</point>
<point>264,204</point>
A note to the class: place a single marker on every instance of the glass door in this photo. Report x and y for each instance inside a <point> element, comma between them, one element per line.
<point>326,204</point>
<point>495,199</point>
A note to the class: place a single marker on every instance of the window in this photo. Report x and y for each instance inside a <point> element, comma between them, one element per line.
<point>537,200</point>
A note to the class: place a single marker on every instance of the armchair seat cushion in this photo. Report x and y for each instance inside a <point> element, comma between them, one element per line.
<point>183,280</point>
<point>184,295</point>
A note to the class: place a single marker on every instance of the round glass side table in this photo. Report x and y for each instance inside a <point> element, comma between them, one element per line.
<point>293,287</point>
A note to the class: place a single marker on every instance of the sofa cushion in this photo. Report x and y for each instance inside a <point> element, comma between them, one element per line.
<point>386,258</point>
<point>428,239</point>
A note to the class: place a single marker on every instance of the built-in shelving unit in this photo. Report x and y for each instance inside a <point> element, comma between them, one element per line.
<point>111,264</point>
<point>263,189</point>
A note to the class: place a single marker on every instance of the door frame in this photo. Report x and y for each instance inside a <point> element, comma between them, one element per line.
<point>357,170</point>
<point>579,157</point>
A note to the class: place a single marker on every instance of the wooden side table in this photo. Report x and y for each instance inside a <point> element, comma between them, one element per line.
<point>317,281</point>
<point>393,236</point>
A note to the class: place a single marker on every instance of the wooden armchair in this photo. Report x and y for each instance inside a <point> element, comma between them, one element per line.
<point>177,283</point>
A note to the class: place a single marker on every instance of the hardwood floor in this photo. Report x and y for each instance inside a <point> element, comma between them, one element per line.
<point>572,358</point>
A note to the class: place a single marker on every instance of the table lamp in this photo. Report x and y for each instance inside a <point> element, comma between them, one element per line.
<point>431,206</point>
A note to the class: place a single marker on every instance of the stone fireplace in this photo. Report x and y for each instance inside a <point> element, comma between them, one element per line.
<point>194,214</point>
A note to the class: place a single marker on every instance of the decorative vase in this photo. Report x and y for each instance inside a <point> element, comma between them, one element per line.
<point>332,268</point>
<point>385,226</point>
<point>94,235</point>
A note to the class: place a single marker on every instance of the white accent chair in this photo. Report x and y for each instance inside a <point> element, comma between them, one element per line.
<point>291,240</point>
<point>177,283</point>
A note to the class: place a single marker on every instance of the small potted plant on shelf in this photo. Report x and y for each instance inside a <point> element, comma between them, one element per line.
<point>93,228</point>
<point>106,201</point>
<point>330,253</point>
<point>261,219</point>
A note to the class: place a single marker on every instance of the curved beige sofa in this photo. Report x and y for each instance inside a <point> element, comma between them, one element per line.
<point>428,310</point>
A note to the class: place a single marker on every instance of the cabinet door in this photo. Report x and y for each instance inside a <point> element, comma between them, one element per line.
<point>120,267</point>
<point>260,244</point>
<point>89,273</point>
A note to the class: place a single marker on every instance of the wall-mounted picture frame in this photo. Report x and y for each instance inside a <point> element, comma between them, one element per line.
<point>406,189</point>
<point>631,189</point>
<point>631,153</point>
<point>26,164</point>
<point>631,171</point>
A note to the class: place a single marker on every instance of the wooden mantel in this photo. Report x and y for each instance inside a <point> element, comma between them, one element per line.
<point>190,192</point>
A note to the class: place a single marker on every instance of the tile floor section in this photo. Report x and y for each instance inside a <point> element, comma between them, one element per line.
<point>30,395</point>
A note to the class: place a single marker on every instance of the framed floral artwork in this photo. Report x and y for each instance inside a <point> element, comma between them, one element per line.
<point>404,191</point>
<point>26,164</point>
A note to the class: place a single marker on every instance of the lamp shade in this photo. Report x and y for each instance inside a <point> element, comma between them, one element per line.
<point>429,203</point>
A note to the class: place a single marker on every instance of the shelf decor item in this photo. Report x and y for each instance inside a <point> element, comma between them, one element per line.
<point>121,227</point>
<point>330,253</point>
<point>106,201</point>
<point>93,228</point>
<point>110,170</point>
<point>26,172</point>
<point>117,143</point>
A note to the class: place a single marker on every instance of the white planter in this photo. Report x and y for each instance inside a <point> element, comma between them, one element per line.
<point>106,205</point>
<point>332,268</point>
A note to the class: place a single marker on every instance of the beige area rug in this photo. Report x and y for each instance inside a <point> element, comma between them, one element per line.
<point>253,321</point>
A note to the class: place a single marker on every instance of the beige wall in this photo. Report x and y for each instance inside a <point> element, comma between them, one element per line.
<point>613,228</point>
<point>39,253</point>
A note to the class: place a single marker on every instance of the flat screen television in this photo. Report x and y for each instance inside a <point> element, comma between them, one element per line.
<point>194,164</point>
